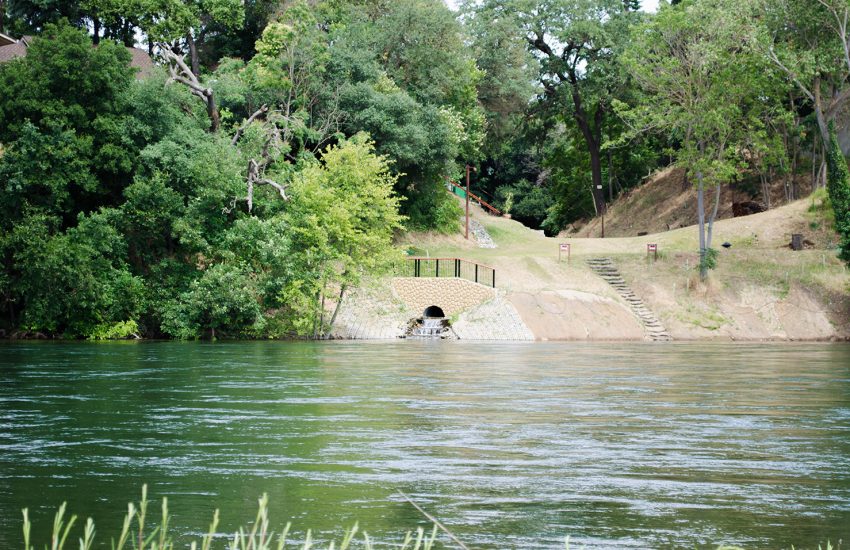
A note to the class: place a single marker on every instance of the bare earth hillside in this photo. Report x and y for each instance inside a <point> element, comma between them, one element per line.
<point>666,201</point>
<point>761,289</point>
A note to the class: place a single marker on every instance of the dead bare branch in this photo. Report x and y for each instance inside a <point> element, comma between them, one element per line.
<point>180,72</point>
<point>258,113</point>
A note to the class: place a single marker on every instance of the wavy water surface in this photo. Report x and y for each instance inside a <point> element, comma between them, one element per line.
<point>510,445</point>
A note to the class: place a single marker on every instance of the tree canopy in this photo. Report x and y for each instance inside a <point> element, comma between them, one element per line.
<point>266,164</point>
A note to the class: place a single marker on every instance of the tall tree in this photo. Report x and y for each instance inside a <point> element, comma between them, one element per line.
<point>704,89</point>
<point>809,41</point>
<point>839,192</point>
<point>577,43</point>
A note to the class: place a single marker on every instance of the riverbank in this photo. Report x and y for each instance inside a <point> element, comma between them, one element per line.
<point>760,290</point>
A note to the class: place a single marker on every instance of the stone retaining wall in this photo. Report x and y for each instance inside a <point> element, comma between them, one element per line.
<point>449,294</point>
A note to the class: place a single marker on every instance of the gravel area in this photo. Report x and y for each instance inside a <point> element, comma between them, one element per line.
<point>497,319</point>
<point>483,238</point>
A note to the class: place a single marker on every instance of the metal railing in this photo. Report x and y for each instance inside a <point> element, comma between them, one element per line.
<point>461,192</point>
<point>448,267</point>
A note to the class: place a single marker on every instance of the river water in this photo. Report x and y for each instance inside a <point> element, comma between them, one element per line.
<point>618,445</point>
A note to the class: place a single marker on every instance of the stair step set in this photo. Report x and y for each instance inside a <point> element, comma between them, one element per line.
<point>606,269</point>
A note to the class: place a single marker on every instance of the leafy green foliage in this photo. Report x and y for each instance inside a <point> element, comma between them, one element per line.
<point>838,185</point>
<point>117,331</point>
<point>122,215</point>
<point>340,228</point>
<point>707,93</point>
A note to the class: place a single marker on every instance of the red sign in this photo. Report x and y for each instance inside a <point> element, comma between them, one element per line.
<point>651,247</point>
<point>565,247</point>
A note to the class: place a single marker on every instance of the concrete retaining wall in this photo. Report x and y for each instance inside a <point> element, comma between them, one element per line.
<point>451,295</point>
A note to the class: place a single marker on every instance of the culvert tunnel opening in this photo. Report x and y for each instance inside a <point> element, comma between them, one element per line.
<point>432,324</point>
<point>433,312</point>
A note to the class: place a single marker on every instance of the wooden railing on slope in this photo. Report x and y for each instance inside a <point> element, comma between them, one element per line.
<point>461,192</point>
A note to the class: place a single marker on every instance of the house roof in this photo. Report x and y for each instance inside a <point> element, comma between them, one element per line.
<point>139,59</point>
<point>11,51</point>
<point>5,40</point>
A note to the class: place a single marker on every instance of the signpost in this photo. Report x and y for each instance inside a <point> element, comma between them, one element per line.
<point>652,248</point>
<point>564,248</point>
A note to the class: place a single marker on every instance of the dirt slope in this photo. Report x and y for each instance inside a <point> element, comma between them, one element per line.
<point>666,201</point>
<point>760,290</point>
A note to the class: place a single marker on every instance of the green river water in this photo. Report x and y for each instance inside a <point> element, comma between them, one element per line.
<point>619,445</point>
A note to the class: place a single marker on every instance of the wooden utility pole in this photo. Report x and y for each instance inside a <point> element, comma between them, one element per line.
<point>468,168</point>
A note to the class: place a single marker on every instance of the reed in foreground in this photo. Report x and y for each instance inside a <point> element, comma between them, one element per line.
<point>138,533</point>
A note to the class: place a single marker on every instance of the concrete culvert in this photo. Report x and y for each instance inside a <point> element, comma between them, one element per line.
<point>433,312</point>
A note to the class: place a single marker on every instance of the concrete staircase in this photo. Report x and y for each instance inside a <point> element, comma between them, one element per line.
<point>605,268</point>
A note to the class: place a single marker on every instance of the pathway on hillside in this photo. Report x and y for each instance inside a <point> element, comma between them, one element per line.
<point>605,268</point>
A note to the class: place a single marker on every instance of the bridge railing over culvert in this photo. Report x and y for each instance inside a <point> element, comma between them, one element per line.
<point>448,267</point>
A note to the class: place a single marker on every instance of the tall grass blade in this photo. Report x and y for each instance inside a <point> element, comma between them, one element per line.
<point>125,529</point>
<point>57,540</point>
<point>281,541</point>
<point>140,517</point>
<point>163,528</point>
<point>207,540</point>
<point>88,535</point>
<point>429,542</point>
<point>348,537</point>
<point>27,529</point>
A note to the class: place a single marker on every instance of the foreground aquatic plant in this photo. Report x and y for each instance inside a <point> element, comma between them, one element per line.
<point>138,534</point>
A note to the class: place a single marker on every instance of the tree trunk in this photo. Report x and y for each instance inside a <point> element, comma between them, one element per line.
<point>322,316</point>
<point>193,55</point>
<point>212,111</point>
<point>596,177</point>
<point>592,138</point>
<point>822,122</point>
<point>2,15</point>
<point>814,162</point>
<point>96,30</point>
<point>338,305</point>
<point>713,216</point>
<point>765,189</point>
<point>703,268</point>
